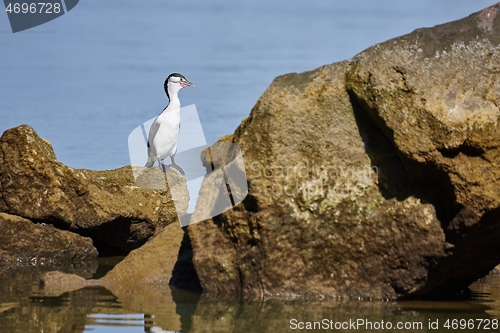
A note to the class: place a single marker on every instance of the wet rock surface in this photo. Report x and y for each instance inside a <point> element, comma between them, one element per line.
<point>107,206</point>
<point>23,242</point>
<point>373,178</point>
<point>56,283</point>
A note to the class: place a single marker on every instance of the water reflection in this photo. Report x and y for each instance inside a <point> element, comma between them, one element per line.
<point>23,308</point>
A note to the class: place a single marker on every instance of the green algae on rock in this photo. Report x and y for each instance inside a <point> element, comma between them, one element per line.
<point>107,206</point>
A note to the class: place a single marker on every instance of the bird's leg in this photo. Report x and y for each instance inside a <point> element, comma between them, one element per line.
<point>174,165</point>
<point>162,166</point>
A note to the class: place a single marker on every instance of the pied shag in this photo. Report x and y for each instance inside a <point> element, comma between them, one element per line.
<point>162,140</point>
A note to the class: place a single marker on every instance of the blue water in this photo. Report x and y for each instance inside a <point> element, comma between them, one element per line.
<point>85,80</point>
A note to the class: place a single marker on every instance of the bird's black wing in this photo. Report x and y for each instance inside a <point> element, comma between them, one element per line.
<point>152,132</point>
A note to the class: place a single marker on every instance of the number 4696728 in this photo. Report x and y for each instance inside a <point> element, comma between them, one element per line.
<point>33,8</point>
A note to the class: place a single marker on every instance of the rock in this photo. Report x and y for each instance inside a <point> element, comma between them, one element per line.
<point>138,280</point>
<point>435,94</point>
<point>23,242</point>
<point>372,178</point>
<point>315,222</point>
<point>56,283</point>
<point>107,206</point>
<point>152,263</point>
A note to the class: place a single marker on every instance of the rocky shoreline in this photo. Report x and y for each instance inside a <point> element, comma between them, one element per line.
<point>373,178</point>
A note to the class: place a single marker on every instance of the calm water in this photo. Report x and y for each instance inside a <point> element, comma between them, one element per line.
<point>87,79</point>
<point>133,310</point>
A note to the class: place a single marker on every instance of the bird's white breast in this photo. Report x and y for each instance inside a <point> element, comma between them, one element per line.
<point>164,142</point>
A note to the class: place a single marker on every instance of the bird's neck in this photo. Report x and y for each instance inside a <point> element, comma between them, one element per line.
<point>174,103</point>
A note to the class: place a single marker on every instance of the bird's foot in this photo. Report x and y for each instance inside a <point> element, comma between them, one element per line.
<point>165,168</point>
<point>178,168</point>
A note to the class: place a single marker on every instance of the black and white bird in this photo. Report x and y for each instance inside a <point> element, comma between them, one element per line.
<point>162,140</point>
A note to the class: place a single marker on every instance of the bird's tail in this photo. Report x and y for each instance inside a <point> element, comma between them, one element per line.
<point>150,162</point>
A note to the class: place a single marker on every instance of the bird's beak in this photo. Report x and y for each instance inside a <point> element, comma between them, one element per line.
<point>188,84</point>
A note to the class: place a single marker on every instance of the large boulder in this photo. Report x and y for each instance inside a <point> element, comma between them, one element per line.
<point>23,242</point>
<point>315,222</point>
<point>107,206</point>
<point>372,178</point>
<point>435,94</point>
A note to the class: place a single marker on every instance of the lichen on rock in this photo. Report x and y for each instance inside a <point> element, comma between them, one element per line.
<point>107,206</point>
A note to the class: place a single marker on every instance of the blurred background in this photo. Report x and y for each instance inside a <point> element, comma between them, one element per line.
<point>85,80</point>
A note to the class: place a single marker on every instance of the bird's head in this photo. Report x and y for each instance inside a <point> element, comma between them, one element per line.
<point>175,82</point>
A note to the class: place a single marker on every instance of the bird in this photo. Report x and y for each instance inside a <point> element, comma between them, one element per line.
<point>163,134</point>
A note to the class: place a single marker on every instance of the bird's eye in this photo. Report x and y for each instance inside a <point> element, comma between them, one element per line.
<point>183,79</point>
